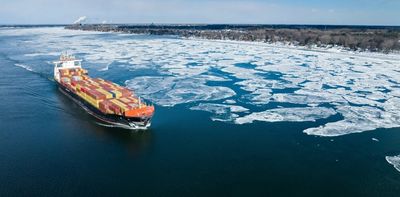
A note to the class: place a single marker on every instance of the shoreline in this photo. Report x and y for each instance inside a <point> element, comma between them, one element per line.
<point>351,38</point>
<point>393,55</point>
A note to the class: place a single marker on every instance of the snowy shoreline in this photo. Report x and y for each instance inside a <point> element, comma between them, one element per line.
<point>354,38</point>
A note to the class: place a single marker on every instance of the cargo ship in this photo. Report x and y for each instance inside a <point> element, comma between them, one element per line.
<point>108,102</point>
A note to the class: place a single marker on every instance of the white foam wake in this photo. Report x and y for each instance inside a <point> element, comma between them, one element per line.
<point>26,67</point>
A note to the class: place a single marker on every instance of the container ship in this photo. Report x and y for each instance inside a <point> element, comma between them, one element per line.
<point>105,100</point>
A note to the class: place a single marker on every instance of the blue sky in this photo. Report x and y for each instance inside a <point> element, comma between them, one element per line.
<point>342,12</point>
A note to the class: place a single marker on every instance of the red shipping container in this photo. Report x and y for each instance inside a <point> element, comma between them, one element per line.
<point>97,95</point>
<point>103,107</point>
<point>74,82</point>
<point>105,86</point>
<point>115,109</point>
<point>92,87</point>
<point>126,93</point>
<point>90,94</point>
<point>84,89</point>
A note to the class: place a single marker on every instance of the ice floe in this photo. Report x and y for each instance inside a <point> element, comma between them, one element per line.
<point>170,91</point>
<point>221,112</point>
<point>229,101</point>
<point>219,108</point>
<point>288,114</point>
<point>395,161</point>
<point>357,119</point>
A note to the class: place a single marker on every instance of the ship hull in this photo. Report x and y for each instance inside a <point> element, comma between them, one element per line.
<point>133,123</point>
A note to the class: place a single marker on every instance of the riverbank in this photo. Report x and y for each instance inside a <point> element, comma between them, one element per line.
<point>356,38</point>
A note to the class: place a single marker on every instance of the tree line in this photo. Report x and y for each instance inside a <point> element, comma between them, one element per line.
<point>366,39</point>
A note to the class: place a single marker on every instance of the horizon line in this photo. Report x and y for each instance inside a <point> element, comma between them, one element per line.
<point>255,24</point>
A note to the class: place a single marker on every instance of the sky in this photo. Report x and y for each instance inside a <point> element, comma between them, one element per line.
<point>334,12</point>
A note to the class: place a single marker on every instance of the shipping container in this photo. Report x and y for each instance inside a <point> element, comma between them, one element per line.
<point>108,94</point>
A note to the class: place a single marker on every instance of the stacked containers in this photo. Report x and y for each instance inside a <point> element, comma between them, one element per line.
<point>113,106</point>
<point>94,97</point>
<point>105,92</point>
<point>130,101</point>
<point>108,97</point>
<point>104,106</point>
<point>121,107</point>
<point>72,72</point>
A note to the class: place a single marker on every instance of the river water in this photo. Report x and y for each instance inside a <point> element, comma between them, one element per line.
<point>232,119</point>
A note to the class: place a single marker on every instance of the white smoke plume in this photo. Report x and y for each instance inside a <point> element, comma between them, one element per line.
<point>80,19</point>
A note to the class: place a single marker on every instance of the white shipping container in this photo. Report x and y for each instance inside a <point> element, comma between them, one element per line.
<point>76,78</point>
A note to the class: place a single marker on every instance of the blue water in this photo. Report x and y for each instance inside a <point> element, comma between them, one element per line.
<point>51,147</point>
